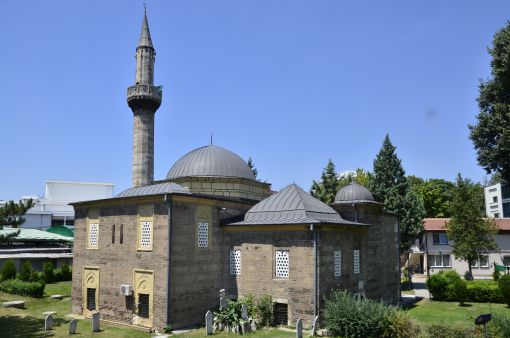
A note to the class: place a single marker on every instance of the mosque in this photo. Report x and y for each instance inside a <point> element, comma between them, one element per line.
<point>159,252</point>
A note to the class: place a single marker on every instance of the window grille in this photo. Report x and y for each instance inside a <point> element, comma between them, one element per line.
<point>281,314</point>
<point>145,234</point>
<point>93,234</point>
<point>143,305</point>
<point>337,263</point>
<point>91,299</point>
<point>235,262</point>
<point>282,264</point>
<point>203,235</point>
<point>357,267</point>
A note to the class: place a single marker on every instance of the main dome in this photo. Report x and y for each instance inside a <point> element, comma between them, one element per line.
<point>210,161</point>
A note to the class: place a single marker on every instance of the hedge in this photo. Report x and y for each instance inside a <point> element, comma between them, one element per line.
<point>18,287</point>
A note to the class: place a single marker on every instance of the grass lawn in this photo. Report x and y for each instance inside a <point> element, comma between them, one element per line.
<point>451,313</point>
<point>29,322</point>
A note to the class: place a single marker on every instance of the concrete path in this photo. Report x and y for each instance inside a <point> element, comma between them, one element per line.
<point>419,286</point>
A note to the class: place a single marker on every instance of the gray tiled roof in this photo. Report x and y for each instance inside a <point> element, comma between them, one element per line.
<point>291,205</point>
<point>154,189</point>
<point>210,161</point>
<point>353,193</point>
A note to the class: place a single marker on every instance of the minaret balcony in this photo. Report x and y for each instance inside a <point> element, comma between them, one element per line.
<point>144,96</point>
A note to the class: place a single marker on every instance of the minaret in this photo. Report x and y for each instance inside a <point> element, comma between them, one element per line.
<point>144,99</point>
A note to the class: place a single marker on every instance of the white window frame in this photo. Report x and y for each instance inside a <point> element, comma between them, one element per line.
<point>442,261</point>
<point>442,238</point>
<point>203,234</point>
<point>337,263</point>
<point>282,258</point>
<point>478,262</point>
<point>356,261</point>
<point>235,262</point>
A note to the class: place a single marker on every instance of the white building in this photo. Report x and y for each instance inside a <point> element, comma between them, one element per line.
<point>497,200</point>
<point>54,208</point>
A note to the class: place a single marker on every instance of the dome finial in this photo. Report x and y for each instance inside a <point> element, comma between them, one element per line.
<point>144,8</point>
<point>211,136</point>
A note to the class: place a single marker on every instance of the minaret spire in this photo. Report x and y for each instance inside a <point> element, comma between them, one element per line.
<point>144,99</point>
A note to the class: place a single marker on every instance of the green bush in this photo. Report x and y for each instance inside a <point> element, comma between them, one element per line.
<point>8,270</point>
<point>460,291</point>
<point>265,310</point>
<point>347,316</point>
<point>483,292</point>
<point>504,288</point>
<point>446,331</point>
<point>67,272</point>
<point>49,272</point>
<point>499,326</point>
<point>168,328</point>
<point>496,274</point>
<point>18,287</point>
<point>26,271</point>
<point>401,326</point>
<point>437,285</point>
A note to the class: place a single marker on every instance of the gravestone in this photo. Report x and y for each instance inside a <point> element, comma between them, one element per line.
<point>244,312</point>
<point>95,322</point>
<point>208,323</point>
<point>299,328</point>
<point>57,296</point>
<point>20,304</point>
<point>315,326</point>
<point>222,293</point>
<point>223,302</point>
<point>253,326</point>
<point>48,323</point>
<point>72,326</point>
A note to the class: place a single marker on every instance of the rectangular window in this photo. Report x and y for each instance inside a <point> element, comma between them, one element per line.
<point>505,191</point>
<point>506,260</point>
<point>496,215</point>
<point>439,261</point>
<point>282,264</point>
<point>91,299</point>
<point>357,267</point>
<point>143,305</point>
<point>93,235</point>
<point>203,235</point>
<point>506,209</point>
<point>235,262</point>
<point>145,235</point>
<point>484,261</point>
<point>494,199</point>
<point>337,263</point>
<point>439,238</point>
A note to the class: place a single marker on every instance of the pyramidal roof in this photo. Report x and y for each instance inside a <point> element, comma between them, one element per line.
<point>145,35</point>
<point>291,205</point>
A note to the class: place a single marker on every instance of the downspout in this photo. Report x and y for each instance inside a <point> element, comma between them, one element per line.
<point>169,205</point>
<point>315,269</point>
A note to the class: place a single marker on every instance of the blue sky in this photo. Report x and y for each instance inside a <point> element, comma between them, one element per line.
<point>289,83</point>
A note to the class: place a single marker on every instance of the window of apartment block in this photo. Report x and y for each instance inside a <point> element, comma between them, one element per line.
<point>506,209</point>
<point>357,265</point>
<point>203,234</point>
<point>439,261</point>
<point>494,199</point>
<point>93,235</point>
<point>506,260</point>
<point>496,215</point>
<point>235,262</point>
<point>439,238</point>
<point>482,262</point>
<point>505,191</point>
<point>337,263</point>
<point>282,264</point>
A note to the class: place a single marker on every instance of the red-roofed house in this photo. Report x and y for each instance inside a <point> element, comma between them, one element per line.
<point>435,251</point>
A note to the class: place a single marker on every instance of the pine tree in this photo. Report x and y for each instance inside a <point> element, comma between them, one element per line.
<point>472,235</point>
<point>11,214</point>
<point>326,189</point>
<point>390,186</point>
<point>252,167</point>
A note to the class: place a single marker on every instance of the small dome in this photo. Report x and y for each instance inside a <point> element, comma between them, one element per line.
<point>210,161</point>
<point>353,192</point>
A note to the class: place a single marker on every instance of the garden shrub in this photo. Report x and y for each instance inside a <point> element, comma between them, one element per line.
<point>437,285</point>
<point>49,272</point>
<point>451,277</point>
<point>25,272</point>
<point>18,287</point>
<point>346,316</point>
<point>401,326</point>
<point>504,288</point>
<point>264,310</point>
<point>483,292</point>
<point>67,272</point>
<point>499,326</point>
<point>446,331</point>
<point>8,270</point>
<point>496,274</point>
<point>460,291</point>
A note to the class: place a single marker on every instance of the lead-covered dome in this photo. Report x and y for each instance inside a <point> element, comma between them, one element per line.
<point>210,161</point>
<point>354,193</point>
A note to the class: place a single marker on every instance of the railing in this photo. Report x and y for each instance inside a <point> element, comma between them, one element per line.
<point>146,90</point>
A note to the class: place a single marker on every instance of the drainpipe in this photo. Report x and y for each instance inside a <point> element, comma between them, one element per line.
<point>169,205</point>
<point>315,272</point>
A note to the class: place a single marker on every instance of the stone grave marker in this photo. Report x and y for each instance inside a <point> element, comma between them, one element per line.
<point>315,326</point>
<point>20,304</point>
<point>253,326</point>
<point>244,312</point>
<point>72,326</point>
<point>299,328</point>
<point>208,323</point>
<point>48,323</point>
<point>223,303</point>
<point>95,322</point>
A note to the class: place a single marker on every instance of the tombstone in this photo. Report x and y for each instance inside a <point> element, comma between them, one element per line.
<point>72,326</point>
<point>299,328</point>
<point>48,323</point>
<point>244,312</point>
<point>95,322</point>
<point>253,326</point>
<point>222,293</point>
<point>223,302</point>
<point>208,323</point>
<point>313,333</point>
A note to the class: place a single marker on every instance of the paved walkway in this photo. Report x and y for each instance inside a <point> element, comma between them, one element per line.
<point>419,286</point>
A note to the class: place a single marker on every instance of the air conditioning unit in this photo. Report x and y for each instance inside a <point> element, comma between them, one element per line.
<point>126,290</point>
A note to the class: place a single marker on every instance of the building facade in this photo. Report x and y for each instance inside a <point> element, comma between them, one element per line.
<point>159,252</point>
<point>497,200</point>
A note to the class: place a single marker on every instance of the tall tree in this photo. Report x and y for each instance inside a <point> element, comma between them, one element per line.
<point>390,186</point>
<point>491,134</point>
<point>252,167</point>
<point>360,176</point>
<point>436,195</point>
<point>472,235</point>
<point>11,214</point>
<point>326,189</point>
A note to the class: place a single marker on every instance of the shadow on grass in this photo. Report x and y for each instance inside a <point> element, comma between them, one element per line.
<point>465,305</point>
<point>15,326</point>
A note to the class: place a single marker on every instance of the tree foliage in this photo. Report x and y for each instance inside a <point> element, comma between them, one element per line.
<point>472,235</point>
<point>491,134</point>
<point>435,194</point>
<point>11,214</point>
<point>326,189</point>
<point>252,167</point>
<point>360,176</point>
<point>390,186</point>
